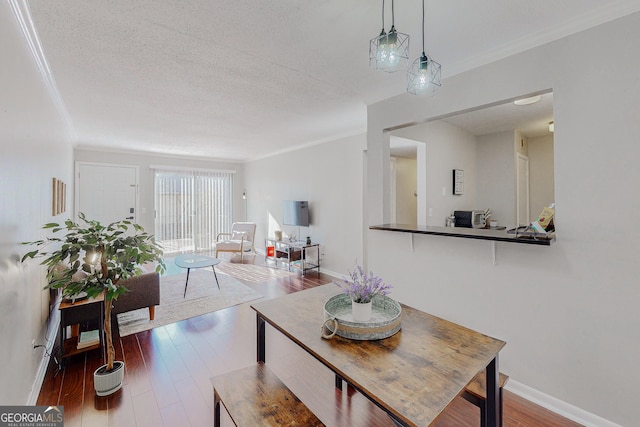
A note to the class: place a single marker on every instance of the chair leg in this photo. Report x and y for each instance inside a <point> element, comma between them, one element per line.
<point>152,312</point>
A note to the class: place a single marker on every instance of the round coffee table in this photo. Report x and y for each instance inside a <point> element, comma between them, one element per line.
<point>190,261</point>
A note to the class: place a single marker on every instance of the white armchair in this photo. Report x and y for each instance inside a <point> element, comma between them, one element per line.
<point>239,240</point>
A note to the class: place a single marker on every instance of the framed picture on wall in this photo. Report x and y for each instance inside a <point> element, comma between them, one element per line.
<point>54,197</point>
<point>458,182</point>
<point>58,197</point>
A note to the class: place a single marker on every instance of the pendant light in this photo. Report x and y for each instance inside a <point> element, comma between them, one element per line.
<point>378,46</point>
<point>389,52</point>
<point>423,77</point>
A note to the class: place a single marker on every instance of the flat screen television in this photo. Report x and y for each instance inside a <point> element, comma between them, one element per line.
<point>295,212</point>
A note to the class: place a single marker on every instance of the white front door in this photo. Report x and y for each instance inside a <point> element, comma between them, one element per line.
<point>107,193</point>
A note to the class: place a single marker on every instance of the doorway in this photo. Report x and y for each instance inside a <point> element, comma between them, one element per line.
<point>522,190</point>
<point>106,192</point>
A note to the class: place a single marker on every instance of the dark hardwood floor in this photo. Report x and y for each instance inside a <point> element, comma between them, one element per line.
<point>168,371</point>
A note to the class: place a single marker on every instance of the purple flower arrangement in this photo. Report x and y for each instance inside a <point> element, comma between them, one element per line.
<point>362,287</point>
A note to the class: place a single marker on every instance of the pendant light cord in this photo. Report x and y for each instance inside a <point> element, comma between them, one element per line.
<point>422,27</point>
<point>393,17</point>
<point>382,15</point>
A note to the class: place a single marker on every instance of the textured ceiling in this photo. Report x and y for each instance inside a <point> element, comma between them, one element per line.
<point>243,79</point>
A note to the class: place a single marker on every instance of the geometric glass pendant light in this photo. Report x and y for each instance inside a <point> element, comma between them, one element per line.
<point>378,46</point>
<point>389,52</point>
<point>424,75</point>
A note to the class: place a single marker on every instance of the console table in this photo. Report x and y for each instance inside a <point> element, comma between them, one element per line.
<point>294,254</point>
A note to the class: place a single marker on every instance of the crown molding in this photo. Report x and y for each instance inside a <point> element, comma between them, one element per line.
<point>22,14</point>
<point>355,132</point>
<point>106,149</point>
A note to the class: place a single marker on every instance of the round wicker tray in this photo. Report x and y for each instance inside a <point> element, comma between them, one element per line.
<point>385,319</point>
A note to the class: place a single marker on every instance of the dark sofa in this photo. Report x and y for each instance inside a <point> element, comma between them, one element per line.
<point>144,291</point>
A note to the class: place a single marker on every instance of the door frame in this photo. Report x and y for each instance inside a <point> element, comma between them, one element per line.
<point>76,176</point>
<point>525,158</point>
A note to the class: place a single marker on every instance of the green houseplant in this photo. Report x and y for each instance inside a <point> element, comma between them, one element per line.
<point>93,258</point>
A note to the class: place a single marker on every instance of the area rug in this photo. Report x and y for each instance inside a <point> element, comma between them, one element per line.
<point>202,297</point>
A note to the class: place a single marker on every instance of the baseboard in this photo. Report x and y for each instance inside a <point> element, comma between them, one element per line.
<point>558,406</point>
<point>331,273</point>
<point>50,338</point>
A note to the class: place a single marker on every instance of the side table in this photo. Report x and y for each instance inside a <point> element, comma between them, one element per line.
<point>294,254</point>
<point>74,313</point>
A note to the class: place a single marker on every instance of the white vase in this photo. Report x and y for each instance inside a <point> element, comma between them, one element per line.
<point>361,311</point>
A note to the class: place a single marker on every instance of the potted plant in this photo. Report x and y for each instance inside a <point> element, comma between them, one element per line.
<point>94,259</point>
<point>362,288</point>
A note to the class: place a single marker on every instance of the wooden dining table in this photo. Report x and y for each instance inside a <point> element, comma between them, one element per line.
<point>413,375</point>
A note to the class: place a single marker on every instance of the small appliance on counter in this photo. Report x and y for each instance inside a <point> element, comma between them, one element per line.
<point>471,219</point>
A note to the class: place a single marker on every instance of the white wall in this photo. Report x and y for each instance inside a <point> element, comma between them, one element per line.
<point>541,174</point>
<point>329,176</point>
<point>36,147</point>
<point>568,312</point>
<point>497,177</point>
<point>146,182</point>
<point>447,147</point>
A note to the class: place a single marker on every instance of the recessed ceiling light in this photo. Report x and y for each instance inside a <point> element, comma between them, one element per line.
<point>527,101</point>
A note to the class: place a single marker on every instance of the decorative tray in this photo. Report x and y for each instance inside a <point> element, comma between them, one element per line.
<point>384,322</point>
<point>528,231</point>
<point>77,297</point>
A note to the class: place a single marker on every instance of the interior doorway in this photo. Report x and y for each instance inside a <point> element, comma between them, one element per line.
<point>522,189</point>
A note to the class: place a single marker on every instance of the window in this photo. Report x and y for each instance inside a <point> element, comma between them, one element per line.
<point>192,206</point>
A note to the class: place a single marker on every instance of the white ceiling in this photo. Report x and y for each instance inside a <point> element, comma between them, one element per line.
<point>531,120</point>
<point>244,79</point>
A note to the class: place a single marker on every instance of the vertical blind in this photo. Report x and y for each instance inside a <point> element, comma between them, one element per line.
<point>191,208</point>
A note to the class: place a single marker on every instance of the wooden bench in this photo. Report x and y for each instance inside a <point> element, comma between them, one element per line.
<point>255,396</point>
<point>476,392</point>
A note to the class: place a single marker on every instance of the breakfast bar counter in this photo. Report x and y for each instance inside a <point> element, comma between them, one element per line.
<point>468,233</point>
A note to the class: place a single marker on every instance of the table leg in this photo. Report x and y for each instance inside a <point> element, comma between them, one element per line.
<point>216,276</point>
<point>186,283</point>
<point>261,337</point>
<point>493,413</point>
<point>338,382</point>
<point>62,332</point>
<point>216,408</point>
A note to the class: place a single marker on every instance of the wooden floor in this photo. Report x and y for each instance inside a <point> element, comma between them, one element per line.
<point>168,371</point>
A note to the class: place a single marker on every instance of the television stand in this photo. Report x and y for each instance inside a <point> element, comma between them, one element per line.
<point>297,254</point>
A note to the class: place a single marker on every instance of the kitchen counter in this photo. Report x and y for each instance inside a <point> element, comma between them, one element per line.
<point>496,235</point>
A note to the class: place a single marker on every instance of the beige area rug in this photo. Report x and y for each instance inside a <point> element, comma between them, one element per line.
<point>253,273</point>
<point>202,297</point>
